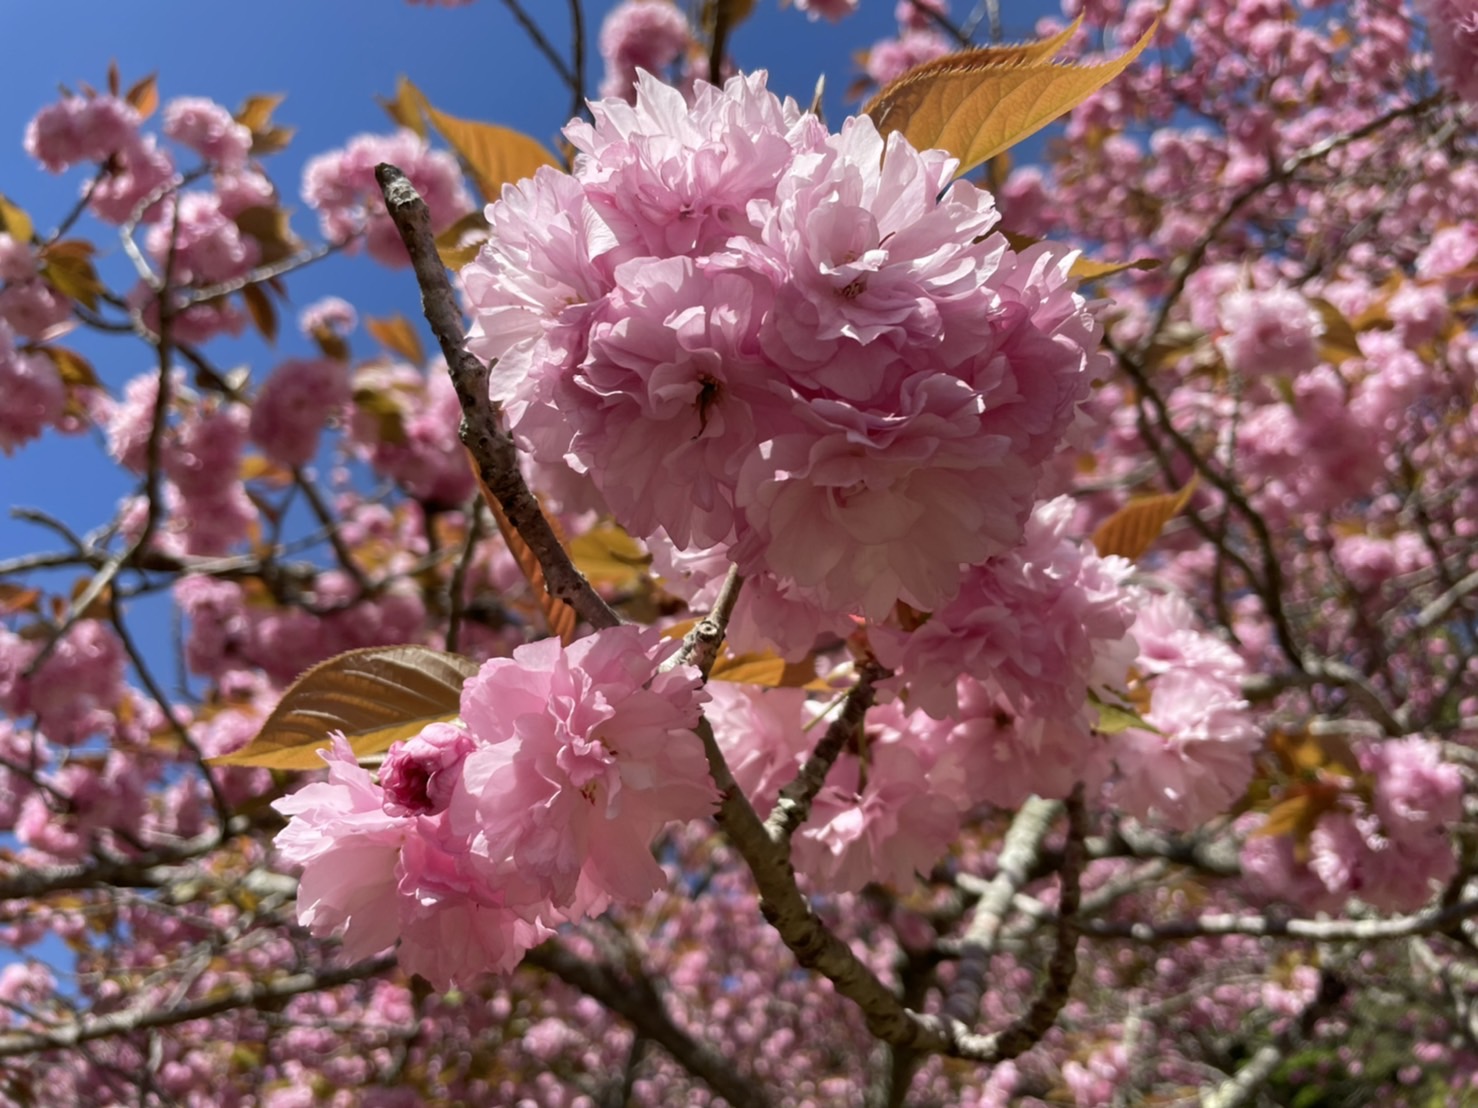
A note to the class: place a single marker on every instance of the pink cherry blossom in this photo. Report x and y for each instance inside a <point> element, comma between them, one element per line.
<point>583,753</point>
<point>640,35</point>
<point>339,832</point>
<point>831,9</point>
<point>880,816</point>
<point>1453,27</point>
<point>293,405</point>
<point>852,381</point>
<point>419,774</point>
<point>892,58</point>
<point>34,393</point>
<point>208,129</point>
<point>1199,759</point>
<point>201,243</point>
<point>1274,332</point>
<point>78,129</point>
<point>340,186</point>
<point>331,313</point>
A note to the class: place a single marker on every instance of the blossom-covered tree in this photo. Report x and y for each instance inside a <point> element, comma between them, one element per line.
<point>849,615</point>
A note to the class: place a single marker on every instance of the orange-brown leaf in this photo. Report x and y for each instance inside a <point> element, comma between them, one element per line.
<point>143,95</point>
<point>406,108</point>
<point>1339,343</point>
<point>1089,269</point>
<point>255,114</point>
<point>74,370</point>
<point>1131,530</point>
<point>257,467</point>
<point>460,243</point>
<point>607,555</point>
<point>398,334</point>
<point>388,413</point>
<point>376,696</point>
<point>494,156</point>
<point>18,598</point>
<point>977,103</point>
<point>15,222</point>
<point>67,267</point>
<point>768,670</point>
<point>269,226</point>
<point>896,99</point>
<point>558,614</point>
<point>263,314</point>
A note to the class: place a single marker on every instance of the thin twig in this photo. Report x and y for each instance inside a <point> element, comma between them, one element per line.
<point>577,58</point>
<point>793,807</point>
<point>701,643</point>
<point>543,45</point>
<point>718,42</point>
<point>456,608</point>
<point>332,530</point>
<point>146,677</point>
<point>263,273</point>
<point>1433,920</point>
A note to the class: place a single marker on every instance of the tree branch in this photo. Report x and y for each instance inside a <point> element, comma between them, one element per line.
<point>492,448</point>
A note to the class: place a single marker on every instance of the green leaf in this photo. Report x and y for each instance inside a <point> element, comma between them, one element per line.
<point>1114,717</point>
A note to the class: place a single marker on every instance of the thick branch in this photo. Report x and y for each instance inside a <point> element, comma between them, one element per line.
<point>491,447</point>
<point>1026,1032</point>
<point>814,944</point>
<point>1430,921</point>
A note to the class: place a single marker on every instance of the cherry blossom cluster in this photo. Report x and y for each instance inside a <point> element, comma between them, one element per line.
<point>340,186</point>
<point>760,331</point>
<point>757,335</point>
<point>639,35</point>
<point>1385,843</point>
<point>920,39</point>
<point>537,808</point>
